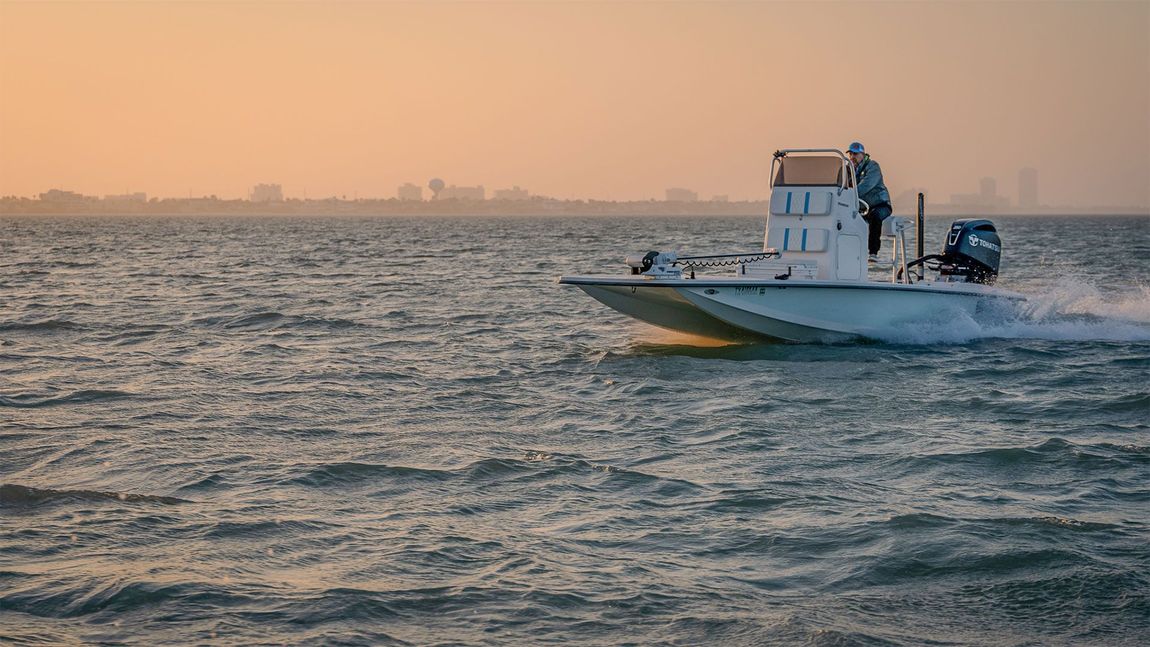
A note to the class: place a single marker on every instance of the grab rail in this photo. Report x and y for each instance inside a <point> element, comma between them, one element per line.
<point>847,166</point>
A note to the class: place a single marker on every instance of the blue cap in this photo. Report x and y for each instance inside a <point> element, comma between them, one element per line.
<point>856,147</point>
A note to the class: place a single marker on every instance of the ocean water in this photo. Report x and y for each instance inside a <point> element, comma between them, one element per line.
<point>402,431</point>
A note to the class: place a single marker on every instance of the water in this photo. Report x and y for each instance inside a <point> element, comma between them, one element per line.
<point>402,431</point>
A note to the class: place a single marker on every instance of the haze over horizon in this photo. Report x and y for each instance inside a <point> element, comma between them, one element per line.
<point>574,100</point>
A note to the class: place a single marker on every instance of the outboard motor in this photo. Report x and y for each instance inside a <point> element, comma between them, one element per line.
<point>970,253</point>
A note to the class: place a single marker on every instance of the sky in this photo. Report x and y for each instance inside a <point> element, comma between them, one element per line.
<point>615,100</point>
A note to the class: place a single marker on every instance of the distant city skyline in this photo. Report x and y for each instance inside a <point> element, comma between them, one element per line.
<point>988,194</point>
<point>987,199</point>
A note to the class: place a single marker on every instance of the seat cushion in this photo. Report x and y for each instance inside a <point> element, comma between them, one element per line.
<point>798,239</point>
<point>801,203</point>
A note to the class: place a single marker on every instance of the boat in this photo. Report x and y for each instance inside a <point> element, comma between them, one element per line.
<point>811,282</point>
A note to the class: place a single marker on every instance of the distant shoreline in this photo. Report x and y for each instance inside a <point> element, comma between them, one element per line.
<point>445,208</point>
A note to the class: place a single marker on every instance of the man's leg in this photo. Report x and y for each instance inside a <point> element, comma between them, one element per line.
<point>874,219</point>
<point>874,241</point>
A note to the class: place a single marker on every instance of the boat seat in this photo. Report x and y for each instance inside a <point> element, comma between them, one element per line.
<point>801,203</point>
<point>798,239</point>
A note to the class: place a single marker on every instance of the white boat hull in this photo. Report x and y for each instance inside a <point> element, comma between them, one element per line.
<point>791,310</point>
<point>665,307</point>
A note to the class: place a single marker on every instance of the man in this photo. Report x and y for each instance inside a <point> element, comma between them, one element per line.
<point>873,192</point>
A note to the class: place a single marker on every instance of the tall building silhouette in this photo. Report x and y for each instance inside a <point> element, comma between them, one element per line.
<point>676,194</point>
<point>267,193</point>
<point>127,197</point>
<point>1028,188</point>
<point>514,193</point>
<point>462,193</point>
<point>57,195</point>
<point>409,191</point>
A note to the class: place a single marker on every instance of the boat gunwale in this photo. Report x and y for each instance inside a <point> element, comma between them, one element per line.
<point>960,289</point>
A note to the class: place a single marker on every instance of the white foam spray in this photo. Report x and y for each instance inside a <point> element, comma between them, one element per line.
<point>1070,310</point>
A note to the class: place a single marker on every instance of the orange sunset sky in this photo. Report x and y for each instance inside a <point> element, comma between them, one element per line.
<point>570,99</point>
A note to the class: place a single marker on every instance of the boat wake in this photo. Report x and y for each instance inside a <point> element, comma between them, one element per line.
<point>1072,310</point>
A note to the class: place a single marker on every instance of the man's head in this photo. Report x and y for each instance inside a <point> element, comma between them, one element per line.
<point>856,152</point>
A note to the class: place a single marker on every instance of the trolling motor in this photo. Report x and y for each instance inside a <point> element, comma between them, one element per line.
<point>655,264</point>
<point>970,253</point>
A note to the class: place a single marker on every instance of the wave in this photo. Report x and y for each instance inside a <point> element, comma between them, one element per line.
<point>1053,453</point>
<point>271,320</point>
<point>29,401</point>
<point>47,325</point>
<point>922,521</point>
<point>64,264</point>
<point>22,495</point>
<point>112,596</point>
<point>1133,402</point>
<point>351,472</point>
<point>533,466</point>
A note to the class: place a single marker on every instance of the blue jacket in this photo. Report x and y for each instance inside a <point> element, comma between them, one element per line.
<point>871,187</point>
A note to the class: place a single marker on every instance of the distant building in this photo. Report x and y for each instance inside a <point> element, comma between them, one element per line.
<point>988,189</point>
<point>1028,188</point>
<point>721,197</point>
<point>409,191</point>
<point>681,195</point>
<point>56,195</point>
<point>514,193</point>
<point>987,198</point>
<point>127,197</point>
<point>462,193</point>
<point>267,193</point>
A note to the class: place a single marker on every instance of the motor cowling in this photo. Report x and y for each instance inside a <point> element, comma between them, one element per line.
<point>971,252</point>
